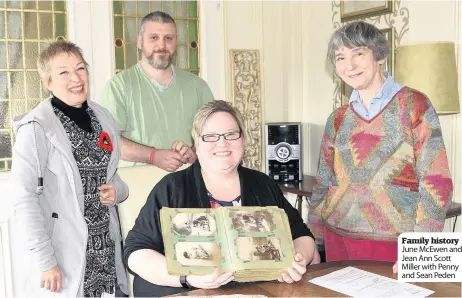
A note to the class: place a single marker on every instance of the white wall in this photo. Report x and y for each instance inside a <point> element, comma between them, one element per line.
<point>6,282</point>
<point>212,50</point>
<point>317,77</point>
<point>90,26</point>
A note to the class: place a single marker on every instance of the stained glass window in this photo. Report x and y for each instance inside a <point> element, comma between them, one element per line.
<point>24,25</point>
<point>127,19</point>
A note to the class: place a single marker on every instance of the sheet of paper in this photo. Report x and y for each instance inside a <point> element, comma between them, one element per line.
<point>359,283</point>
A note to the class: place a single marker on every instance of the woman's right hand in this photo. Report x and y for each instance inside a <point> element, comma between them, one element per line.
<point>51,279</point>
<point>211,281</point>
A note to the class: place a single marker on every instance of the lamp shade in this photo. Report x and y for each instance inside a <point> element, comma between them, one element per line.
<point>431,69</point>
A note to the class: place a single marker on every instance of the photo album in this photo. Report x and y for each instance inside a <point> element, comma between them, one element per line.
<point>253,242</point>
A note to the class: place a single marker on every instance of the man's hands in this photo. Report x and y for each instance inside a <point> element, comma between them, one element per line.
<point>211,281</point>
<point>178,155</point>
<point>51,279</point>
<point>168,160</point>
<point>185,151</point>
<point>295,272</point>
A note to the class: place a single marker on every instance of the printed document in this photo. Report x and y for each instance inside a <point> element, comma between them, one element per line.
<point>354,282</point>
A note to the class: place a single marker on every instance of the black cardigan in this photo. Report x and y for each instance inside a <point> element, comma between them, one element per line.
<point>186,189</point>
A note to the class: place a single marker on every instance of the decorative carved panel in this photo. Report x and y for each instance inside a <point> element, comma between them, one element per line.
<point>246,84</point>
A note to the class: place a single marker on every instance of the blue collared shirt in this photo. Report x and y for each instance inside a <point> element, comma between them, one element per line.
<point>379,101</point>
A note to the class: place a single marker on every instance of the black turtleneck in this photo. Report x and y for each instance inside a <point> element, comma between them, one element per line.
<point>79,115</point>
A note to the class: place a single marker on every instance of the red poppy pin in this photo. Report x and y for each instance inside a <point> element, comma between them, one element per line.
<point>104,141</point>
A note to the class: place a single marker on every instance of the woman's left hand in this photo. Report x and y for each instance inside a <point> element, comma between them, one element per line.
<point>316,258</point>
<point>107,195</point>
<point>297,270</point>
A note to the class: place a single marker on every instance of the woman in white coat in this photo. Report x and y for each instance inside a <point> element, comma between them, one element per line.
<point>65,187</point>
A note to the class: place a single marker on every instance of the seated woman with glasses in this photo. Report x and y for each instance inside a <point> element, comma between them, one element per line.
<point>216,179</point>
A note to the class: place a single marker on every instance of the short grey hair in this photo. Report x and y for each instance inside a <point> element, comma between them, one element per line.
<point>53,49</point>
<point>157,17</point>
<point>212,107</point>
<point>359,34</point>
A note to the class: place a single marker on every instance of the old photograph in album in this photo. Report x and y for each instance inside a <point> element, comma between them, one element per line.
<point>253,242</point>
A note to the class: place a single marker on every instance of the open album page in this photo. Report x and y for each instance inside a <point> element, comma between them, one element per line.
<point>195,241</point>
<point>259,237</point>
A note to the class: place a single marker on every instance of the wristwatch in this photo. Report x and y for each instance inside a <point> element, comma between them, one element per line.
<point>184,283</point>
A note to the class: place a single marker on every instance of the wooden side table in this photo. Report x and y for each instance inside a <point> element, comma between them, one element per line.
<point>303,189</point>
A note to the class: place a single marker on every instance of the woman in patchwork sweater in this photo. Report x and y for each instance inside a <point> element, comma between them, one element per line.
<point>383,168</point>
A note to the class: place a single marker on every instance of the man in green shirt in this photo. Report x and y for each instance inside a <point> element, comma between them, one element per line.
<point>153,102</point>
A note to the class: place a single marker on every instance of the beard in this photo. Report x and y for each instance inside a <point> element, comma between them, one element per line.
<point>159,63</point>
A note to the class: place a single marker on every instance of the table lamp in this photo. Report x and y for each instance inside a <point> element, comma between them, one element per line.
<point>431,69</point>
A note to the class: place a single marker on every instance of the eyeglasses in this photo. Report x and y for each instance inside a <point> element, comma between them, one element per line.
<point>229,136</point>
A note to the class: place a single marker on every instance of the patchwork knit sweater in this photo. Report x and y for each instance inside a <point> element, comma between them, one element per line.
<point>382,177</point>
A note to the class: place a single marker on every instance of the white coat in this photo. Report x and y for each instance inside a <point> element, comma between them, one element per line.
<point>42,149</point>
